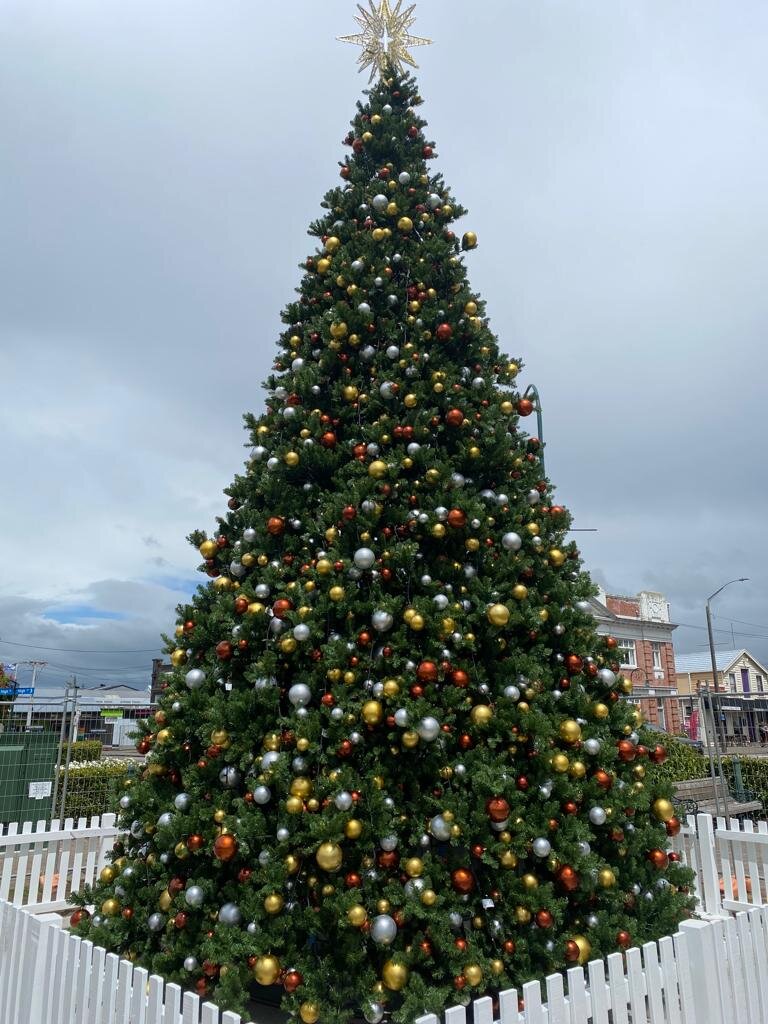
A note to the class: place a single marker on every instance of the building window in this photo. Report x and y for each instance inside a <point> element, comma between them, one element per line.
<point>732,681</point>
<point>759,679</point>
<point>662,722</point>
<point>656,654</point>
<point>627,656</point>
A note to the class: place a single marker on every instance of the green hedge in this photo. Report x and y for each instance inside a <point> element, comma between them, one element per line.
<point>94,787</point>
<point>683,761</point>
<point>754,777</point>
<point>85,750</point>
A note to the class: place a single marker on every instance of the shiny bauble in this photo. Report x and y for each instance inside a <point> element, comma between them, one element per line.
<point>357,916</point>
<point>381,621</point>
<point>511,541</point>
<point>274,903</point>
<point>225,847</point>
<point>623,939</point>
<point>469,240</point>
<point>570,731</point>
<point>229,913</point>
<point>266,970</point>
<point>440,828</point>
<point>584,946</point>
<point>299,695</point>
<point>567,878</point>
<point>329,856</point>
<point>182,801</point>
<point>262,795</point>
<point>481,715</point>
<point>498,614</point>
<point>230,777</point>
<point>195,678</point>
<point>519,592</point>
<point>542,847</point>
<point>107,875</point>
<point>156,922</point>
<point>364,558</point>
<point>194,896</point>
<point>373,1012</point>
<point>353,828</point>
<point>462,880</point>
<point>309,1013</point>
<point>673,827</point>
<point>597,815</point>
<point>658,858</point>
<point>600,711</point>
<point>208,549</point>
<point>606,878</point>
<point>377,469</point>
<point>663,809</point>
<point>394,975</point>
<point>110,908</point>
<point>497,809</point>
<point>383,930</point>
<point>428,729</point>
<point>473,974</point>
<point>372,712</point>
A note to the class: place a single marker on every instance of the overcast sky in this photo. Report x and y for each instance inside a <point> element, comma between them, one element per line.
<point>160,161</point>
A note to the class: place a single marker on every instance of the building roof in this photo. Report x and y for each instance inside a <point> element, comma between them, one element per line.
<point>701,661</point>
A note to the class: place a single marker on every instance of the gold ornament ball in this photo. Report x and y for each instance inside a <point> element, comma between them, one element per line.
<point>522,915</point>
<point>481,714</point>
<point>438,530</point>
<point>324,567</point>
<point>410,739</point>
<point>383,907</point>
<point>208,549</point>
<point>578,770</point>
<point>350,393</point>
<point>336,593</point>
<point>414,867</point>
<point>110,908</point>
<point>556,557</point>
<point>585,947</point>
<point>181,851</point>
<point>498,615</point>
<point>292,863</point>
<point>292,458</point>
<point>323,266</point>
<point>530,881</point>
<point>294,805</point>
<point>497,966</point>
<point>570,731</point>
<point>508,860</point>
<point>638,771</point>
<point>164,900</point>
<point>178,657</point>
<point>107,875</point>
<point>519,592</point>
<point>266,970</point>
<point>377,469</point>
<point>372,712</point>
<point>663,809</point>
<point>329,856</point>
<point>220,737</point>
<point>429,897</point>
<point>606,878</point>
<point>357,915</point>
<point>394,975</point>
<point>560,763</point>
<point>391,208</point>
<point>332,244</point>
<point>274,903</point>
<point>288,644</point>
<point>600,710</point>
<point>507,408</point>
<point>473,973</point>
<point>391,688</point>
<point>469,240</point>
<point>417,623</point>
<point>301,786</point>
<point>353,828</point>
<point>378,234</point>
<point>405,224</point>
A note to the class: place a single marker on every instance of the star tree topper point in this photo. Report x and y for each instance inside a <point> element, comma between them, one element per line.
<point>385,39</point>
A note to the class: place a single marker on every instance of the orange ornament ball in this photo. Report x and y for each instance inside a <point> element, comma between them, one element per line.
<point>276,525</point>
<point>454,417</point>
<point>462,880</point>
<point>195,843</point>
<point>427,672</point>
<point>457,518</point>
<point>225,847</point>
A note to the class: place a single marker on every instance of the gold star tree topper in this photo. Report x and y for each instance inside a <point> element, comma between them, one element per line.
<point>385,38</point>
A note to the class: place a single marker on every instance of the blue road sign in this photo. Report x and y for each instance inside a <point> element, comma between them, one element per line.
<point>21,691</point>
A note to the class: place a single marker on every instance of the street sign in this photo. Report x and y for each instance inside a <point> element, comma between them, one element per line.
<point>111,712</point>
<point>21,691</point>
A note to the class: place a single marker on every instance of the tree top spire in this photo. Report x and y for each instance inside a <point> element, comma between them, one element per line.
<point>385,39</point>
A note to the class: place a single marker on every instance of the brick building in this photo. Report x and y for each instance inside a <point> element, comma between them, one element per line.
<point>643,632</point>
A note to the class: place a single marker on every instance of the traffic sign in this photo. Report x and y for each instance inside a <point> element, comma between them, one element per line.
<point>21,691</point>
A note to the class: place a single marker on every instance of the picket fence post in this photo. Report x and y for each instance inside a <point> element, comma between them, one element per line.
<point>703,956</point>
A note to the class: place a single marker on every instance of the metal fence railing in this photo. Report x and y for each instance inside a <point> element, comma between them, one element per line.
<point>54,762</point>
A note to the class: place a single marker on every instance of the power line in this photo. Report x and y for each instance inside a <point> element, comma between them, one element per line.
<point>754,636</point>
<point>81,650</point>
<point>757,625</point>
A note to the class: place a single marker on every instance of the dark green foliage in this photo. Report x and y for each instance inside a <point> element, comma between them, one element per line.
<point>391,426</point>
<point>85,750</point>
<point>93,787</point>
<point>683,761</point>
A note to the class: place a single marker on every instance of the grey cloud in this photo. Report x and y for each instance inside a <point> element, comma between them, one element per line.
<point>162,161</point>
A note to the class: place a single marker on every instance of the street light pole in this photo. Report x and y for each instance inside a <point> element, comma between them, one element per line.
<point>532,392</point>
<point>741,579</point>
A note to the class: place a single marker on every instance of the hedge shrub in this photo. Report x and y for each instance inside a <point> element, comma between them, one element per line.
<point>683,761</point>
<point>94,787</point>
<point>85,750</point>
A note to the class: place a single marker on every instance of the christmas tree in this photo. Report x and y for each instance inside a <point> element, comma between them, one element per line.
<point>393,767</point>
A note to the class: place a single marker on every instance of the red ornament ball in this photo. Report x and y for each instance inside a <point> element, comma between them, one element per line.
<point>224,650</point>
<point>427,672</point>
<point>454,417</point>
<point>457,518</point>
<point>544,919</point>
<point>673,826</point>
<point>574,664</point>
<point>81,914</point>
<point>525,407</point>
<point>328,439</point>
<point>623,940</point>
<point>627,750</point>
<point>225,847</point>
<point>571,951</point>
<point>292,980</point>
<point>497,808</point>
<point>443,332</point>
<point>658,859</point>
<point>567,878</point>
<point>281,606</point>
<point>460,678</point>
<point>276,525</point>
<point>658,755</point>
<point>462,880</point>
<point>180,920</point>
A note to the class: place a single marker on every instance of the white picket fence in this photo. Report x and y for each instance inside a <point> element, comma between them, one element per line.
<point>48,976</point>
<point>714,971</point>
